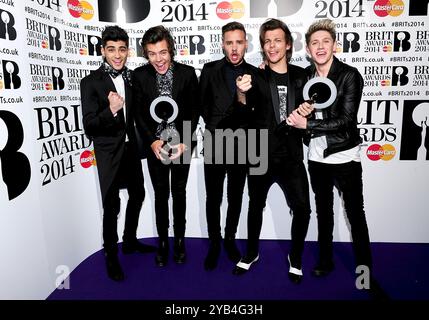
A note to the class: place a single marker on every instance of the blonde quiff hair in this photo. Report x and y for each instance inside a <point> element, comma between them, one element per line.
<point>321,25</point>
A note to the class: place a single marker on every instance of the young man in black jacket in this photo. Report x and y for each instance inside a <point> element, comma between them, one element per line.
<point>271,96</point>
<point>334,149</point>
<point>108,120</point>
<point>166,105</point>
<point>217,102</point>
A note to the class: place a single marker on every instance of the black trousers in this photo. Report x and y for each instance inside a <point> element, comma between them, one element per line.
<point>291,176</point>
<point>214,175</point>
<point>130,175</point>
<point>160,175</point>
<point>347,177</point>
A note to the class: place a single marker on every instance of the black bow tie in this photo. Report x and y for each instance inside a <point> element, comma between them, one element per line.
<point>125,72</point>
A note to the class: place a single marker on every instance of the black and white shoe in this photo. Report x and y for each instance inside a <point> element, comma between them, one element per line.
<point>244,265</point>
<point>294,274</point>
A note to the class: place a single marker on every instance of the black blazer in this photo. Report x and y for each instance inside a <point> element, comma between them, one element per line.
<point>185,86</point>
<point>218,106</point>
<point>106,131</point>
<point>263,102</point>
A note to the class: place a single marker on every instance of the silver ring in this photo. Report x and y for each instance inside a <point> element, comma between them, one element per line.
<point>166,99</point>
<point>323,80</point>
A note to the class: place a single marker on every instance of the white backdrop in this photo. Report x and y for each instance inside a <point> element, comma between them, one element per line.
<point>50,214</point>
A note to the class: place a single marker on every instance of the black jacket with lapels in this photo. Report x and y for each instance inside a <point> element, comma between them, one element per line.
<point>184,93</point>
<point>263,102</point>
<point>107,131</point>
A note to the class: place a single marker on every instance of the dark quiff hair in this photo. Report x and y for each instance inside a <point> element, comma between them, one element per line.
<point>232,26</point>
<point>321,25</point>
<point>157,34</point>
<point>114,33</point>
<point>273,24</point>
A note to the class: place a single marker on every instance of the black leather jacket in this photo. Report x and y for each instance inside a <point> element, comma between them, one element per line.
<point>339,123</point>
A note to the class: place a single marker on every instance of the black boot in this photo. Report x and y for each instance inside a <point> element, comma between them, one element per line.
<point>162,253</point>
<point>179,250</point>
<point>231,249</point>
<point>114,270</point>
<point>210,263</point>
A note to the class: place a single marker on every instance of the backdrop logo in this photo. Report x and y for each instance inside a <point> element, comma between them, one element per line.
<point>42,35</point>
<point>131,10</point>
<point>80,9</point>
<point>384,152</point>
<point>74,76</point>
<point>386,75</point>
<point>15,166</point>
<point>422,41</point>
<point>383,8</point>
<point>387,41</point>
<point>276,8</point>
<point>7,21</point>
<point>418,7</point>
<point>348,42</point>
<point>82,44</point>
<point>190,44</point>
<point>9,78</point>
<point>46,77</point>
<point>87,159</point>
<point>230,10</point>
<point>415,137</point>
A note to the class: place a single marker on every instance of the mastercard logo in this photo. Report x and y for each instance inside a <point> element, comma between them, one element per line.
<point>87,159</point>
<point>385,83</point>
<point>393,8</point>
<point>48,86</point>
<point>44,44</point>
<point>385,152</point>
<point>387,48</point>
<point>184,52</point>
<point>230,10</point>
<point>80,9</point>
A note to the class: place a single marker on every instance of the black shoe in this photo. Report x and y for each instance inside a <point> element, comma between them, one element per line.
<point>114,270</point>
<point>295,273</point>
<point>210,262</point>
<point>322,269</point>
<point>136,246</point>
<point>244,264</point>
<point>179,250</point>
<point>161,257</point>
<point>231,250</point>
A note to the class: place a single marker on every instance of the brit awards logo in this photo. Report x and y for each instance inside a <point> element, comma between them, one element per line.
<point>9,78</point>
<point>415,137</point>
<point>274,8</point>
<point>15,170</point>
<point>81,44</point>
<point>7,23</point>
<point>387,41</point>
<point>386,76</point>
<point>42,35</point>
<point>190,44</point>
<point>123,11</point>
<point>348,42</point>
<point>46,77</point>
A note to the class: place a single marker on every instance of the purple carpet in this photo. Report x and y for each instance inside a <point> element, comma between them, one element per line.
<point>401,270</point>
